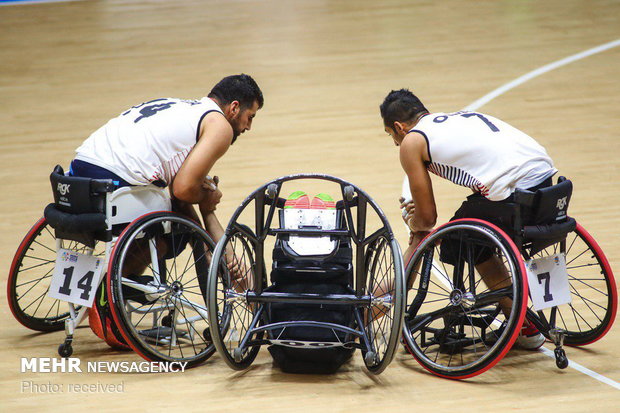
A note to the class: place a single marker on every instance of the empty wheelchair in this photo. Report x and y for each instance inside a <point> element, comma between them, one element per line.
<point>102,250</point>
<point>336,281</point>
<point>469,284</point>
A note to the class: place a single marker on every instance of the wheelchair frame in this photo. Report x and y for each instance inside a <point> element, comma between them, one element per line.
<point>549,236</point>
<point>131,208</point>
<point>258,299</point>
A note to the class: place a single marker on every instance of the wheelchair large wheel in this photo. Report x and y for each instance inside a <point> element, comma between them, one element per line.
<point>156,283</point>
<point>456,325</point>
<point>232,273</point>
<point>30,277</point>
<point>592,310</point>
<point>383,321</point>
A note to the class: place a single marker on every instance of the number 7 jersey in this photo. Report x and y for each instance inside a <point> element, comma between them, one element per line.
<point>483,153</point>
<point>149,142</point>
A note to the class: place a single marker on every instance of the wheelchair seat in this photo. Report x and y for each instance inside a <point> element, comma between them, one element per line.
<point>543,218</point>
<point>78,212</point>
<point>87,210</point>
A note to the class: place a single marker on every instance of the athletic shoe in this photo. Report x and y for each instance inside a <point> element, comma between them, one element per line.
<point>323,201</point>
<point>529,338</point>
<point>298,199</point>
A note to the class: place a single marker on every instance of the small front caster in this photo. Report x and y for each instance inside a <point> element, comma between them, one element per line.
<point>65,350</point>
<point>207,335</point>
<point>560,358</point>
<point>238,355</point>
<point>370,358</point>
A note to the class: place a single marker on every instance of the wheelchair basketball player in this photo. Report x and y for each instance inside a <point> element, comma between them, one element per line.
<point>470,149</point>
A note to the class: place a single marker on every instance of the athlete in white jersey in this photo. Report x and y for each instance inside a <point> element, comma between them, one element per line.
<point>473,150</point>
<point>482,153</point>
<point>155,138</point>
<point>174,143</point>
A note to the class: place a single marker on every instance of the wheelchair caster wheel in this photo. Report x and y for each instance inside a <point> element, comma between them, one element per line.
<point>65,350</point>
<point>272,191</point>
<point>560,358</point>
<point>370,358</point>
<point>207,335</point>
<point>167,320</point>
<point>238,355</point>
<point>348,193</point>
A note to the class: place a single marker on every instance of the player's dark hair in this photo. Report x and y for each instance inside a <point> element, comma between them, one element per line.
<point>241,88</point>
<point>400,106</point>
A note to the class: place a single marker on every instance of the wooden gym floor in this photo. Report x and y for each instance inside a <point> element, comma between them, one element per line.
<point>324,67</point>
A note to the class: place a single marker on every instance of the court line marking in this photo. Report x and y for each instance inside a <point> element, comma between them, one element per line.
<point>583,369</point>
<point>540,71</point>
<point>406,193</point>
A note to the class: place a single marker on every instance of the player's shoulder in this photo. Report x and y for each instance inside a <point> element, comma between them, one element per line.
<point>216,125</point>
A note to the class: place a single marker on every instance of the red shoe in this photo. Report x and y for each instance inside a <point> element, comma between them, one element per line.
<point>529,338</point>
<point>323,201</point>
<point>298,199</point>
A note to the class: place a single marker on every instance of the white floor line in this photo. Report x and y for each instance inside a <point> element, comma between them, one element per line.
<point>406,193</point>
<point>542,70</point>
<point>584,370</point>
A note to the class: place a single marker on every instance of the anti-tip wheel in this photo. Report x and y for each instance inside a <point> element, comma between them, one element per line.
<point>272,191</point>
<point>349,192</point>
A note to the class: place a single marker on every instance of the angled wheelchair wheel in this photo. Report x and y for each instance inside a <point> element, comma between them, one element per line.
<point>30,277</point>
<point>594,296</point>
<point>383,320</point>
<point>156,283</point>
<point>457,326</point>
<point>232,273</point>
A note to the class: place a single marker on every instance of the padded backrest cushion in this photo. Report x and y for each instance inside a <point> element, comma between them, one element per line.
<point>74,195</point>
<point>551,203</point>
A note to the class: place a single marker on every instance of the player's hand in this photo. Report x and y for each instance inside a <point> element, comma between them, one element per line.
<point>214,195</point>
<point>239,273</point>
<point>408,208</point>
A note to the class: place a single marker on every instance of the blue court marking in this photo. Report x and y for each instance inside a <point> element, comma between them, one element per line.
<point>20,2</point>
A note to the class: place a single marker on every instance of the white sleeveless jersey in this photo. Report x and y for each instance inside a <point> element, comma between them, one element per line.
<point>148,142</point>
<point>483,153</point>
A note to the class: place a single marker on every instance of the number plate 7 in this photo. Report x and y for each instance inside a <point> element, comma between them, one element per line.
<point>548,281</point>
<point>76,277</point>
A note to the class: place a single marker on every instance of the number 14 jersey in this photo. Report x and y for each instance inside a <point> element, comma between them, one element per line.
<point>148,142</point>
<point>483,153</point>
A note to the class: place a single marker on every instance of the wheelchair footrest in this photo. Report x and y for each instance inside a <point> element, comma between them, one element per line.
<point>162,335</point>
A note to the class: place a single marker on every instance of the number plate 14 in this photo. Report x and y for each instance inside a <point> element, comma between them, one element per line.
<point>548,281</point>
<point>76,277</point>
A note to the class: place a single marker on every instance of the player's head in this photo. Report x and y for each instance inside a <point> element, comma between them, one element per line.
<point>399,109</point>
<point>240,98</point>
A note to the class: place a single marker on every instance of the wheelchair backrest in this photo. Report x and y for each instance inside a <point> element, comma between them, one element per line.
<point>548,205</point>
<point>76,195</point>
<point>303,218</point>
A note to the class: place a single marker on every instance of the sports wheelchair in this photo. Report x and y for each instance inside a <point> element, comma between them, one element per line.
<point>333,285</point>
<point>100,247</point>
<point>458,326</point>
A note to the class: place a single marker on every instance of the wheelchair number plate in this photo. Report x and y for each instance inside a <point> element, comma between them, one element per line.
<point>548,281</point>
<point>76,277</point>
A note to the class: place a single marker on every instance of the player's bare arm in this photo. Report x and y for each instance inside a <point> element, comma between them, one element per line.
<point>190,183</point>
<point>412,158</point>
